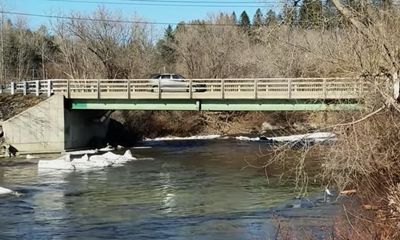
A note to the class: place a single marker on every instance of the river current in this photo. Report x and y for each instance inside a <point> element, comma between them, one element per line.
<point>175,190</point>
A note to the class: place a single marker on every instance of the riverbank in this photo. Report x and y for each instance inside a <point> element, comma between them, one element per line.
<point>153,124</point>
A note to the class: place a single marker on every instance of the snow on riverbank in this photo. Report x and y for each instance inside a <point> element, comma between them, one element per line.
<point>66,162</point>
<point>204,137</point>
<point>5,191</point>
<point>317,137</point>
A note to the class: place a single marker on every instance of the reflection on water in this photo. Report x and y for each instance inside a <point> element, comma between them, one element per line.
<point>178,191</point>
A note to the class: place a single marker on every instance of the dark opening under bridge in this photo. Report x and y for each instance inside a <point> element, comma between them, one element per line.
<point>261,94</point>
<point>77,111</point>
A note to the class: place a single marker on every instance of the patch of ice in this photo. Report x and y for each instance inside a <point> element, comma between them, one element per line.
<point>128,155</point>
<point>107,148</point>
<point>243,138</point>
<point>62,163</point>
<point>203,137</point>
<point>28,156</point>
<point>93,151</point>
<point>107,159</point>
<point>142,147</point>
<point>4,191</point>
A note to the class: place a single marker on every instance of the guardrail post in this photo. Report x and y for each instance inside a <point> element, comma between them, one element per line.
<point>24,88</point>
<point>129,89</point>
<point>191,89</point>
<point>324,88</point>
<point>256,89</point>
<point>290,88</point>
<point>12,86</point>
<point>49,88</point>
<point>223,89</point>
<point>37,88</point>
<point>98,88</point>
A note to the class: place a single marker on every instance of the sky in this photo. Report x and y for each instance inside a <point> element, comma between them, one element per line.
<point>160,11</point>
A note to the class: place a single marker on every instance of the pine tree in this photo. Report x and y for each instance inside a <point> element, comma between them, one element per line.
<point>244,20</point>
<point>258,18</point>
<point>234,17</point>
<point>167,52</point>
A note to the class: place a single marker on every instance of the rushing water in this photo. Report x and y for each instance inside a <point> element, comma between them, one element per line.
<point>178,190</point>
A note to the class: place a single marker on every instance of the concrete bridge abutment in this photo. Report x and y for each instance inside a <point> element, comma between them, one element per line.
<point>51,127</point>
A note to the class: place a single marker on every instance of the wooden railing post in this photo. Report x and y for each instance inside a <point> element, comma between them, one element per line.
<point>222,88</point>
<point>98,88</point>
<point>256,89</point>
<point>24,88</point>
<point>68,89</point>
<point>324,88</point>
<point>191,89</point>
<point>49,88</point>
<point>12,86</point>
<point>129,89</point>
<point>37,87</point>
<point>290,88</point>
<point>159,89</point>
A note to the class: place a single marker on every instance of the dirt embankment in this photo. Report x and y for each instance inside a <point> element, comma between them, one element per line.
<point>11,105</point>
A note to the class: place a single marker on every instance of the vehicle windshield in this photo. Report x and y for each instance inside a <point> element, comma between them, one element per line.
<point>177,77</point>
<point>168,76</point>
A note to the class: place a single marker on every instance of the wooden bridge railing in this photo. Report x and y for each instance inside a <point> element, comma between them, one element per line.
<point>259,88</point>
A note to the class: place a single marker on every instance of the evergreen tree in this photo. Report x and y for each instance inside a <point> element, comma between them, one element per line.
<point>258,18</point>
<point>234,18</point>
<point>244,20</point>
<point>165,48</point>
<point>271,18</point>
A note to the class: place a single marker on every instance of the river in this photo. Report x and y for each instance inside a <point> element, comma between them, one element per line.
<point>175,190</point>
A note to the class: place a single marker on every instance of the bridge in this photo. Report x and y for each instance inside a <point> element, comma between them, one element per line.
<point>77,111</point>
<point>261,94</point>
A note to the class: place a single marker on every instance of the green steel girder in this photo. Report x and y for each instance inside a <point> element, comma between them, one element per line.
<point>213,105</point>
<point>137,104</point>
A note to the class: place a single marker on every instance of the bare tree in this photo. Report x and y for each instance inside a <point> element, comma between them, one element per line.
<point>212,51</point>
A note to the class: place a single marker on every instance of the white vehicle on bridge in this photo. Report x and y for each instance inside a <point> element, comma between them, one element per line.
<point>170,82</point>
